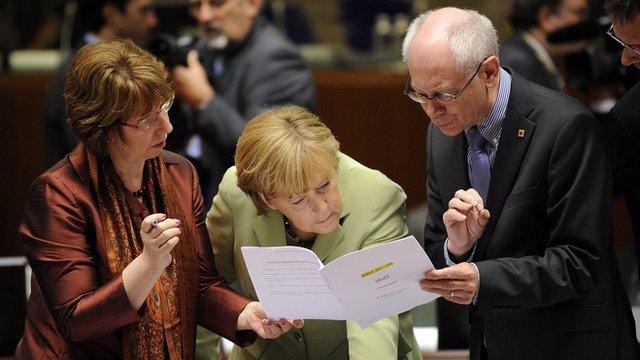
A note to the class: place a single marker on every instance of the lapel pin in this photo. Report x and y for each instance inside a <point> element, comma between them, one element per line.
<point>520,133</point>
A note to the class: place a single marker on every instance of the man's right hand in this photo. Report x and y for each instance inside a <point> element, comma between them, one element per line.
<point>465,221</point>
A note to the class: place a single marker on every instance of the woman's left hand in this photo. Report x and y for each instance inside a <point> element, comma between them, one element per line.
<point>254,318</point>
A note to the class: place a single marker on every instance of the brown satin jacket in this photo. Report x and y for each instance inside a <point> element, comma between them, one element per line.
<point>76,310</point>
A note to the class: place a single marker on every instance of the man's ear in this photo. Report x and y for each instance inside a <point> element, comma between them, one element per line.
<point>491,70</point>
<point>266,200</point>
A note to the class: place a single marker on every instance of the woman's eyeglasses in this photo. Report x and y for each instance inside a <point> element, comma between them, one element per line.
<point>149,121</point>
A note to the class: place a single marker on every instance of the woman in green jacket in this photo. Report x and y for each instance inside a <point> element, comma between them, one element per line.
<point>292,186</point>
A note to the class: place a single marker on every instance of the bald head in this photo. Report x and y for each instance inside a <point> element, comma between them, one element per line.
<point>450,35</point>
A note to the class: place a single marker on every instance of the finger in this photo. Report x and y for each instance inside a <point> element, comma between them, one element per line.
<point>456,286</point>
<point>476,218</point>
<point>484,216</point>
<point>468,196</point>
<point>262,330</point>
<point>463,298</point>
<point>444,286</point>
<point>163,237</point>
<point>298,323</point>
<point>285,325</point>
<point>192,58</point>
<point>452,216</point>
<point>161,226</point>
<point>151,221</point>
<point>258,310</point>
<point>438,274</point>
<point>476,198</point>
<point>433,285</point>
<point>170,244</point>
<point>273,330</point>
<point>461,206</point>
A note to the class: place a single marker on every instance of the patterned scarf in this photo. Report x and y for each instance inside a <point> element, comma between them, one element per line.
<point>166,328</point>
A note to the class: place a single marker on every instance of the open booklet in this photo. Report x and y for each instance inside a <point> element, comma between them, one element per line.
<point>365,285</point>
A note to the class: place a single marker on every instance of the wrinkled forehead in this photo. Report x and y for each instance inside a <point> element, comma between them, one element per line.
<point>437,75</point>
<point>431,60</point>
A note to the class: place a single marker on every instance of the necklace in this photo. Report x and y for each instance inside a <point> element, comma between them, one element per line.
<point>138,193</point>
<point>289,230</point>
<point>291,233</point>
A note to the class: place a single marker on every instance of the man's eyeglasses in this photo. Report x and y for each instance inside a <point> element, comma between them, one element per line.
<point>617,39</point>
<point>148,122</point>
<point>422,98</point>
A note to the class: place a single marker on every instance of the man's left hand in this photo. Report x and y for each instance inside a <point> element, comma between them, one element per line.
<point>458,283</point>
<point>190,82</point>
<point>254,318</point>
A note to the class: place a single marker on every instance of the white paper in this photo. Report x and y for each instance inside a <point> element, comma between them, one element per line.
<point>364,285</point>
<point>289,285</point>
<point>380,280</point>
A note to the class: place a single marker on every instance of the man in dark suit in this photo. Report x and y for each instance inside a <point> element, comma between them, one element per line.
<point>626,30</point>
<point>253,67</point>
<point>96,20</point>
<point>528,51</point>
<point>519,201</point>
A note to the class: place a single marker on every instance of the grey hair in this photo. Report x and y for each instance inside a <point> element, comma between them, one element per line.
<point>471,40</point>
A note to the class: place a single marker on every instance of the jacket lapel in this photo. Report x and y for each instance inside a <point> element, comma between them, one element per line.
<point>325,243</point>
<point>450,163</point>
<point>516,134</point>
<point>269,229</point>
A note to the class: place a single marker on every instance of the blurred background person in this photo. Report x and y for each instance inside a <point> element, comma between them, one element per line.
<point>115,233</point>
<point>292,186</point>
<point>291,20</point>
<point>625,30</point>
<point>95,21</point>
<point>244,65</point>
<point>529,51</point>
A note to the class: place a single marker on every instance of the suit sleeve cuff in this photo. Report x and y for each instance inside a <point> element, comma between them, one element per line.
<point>475,298</point>
<point>447,257</point>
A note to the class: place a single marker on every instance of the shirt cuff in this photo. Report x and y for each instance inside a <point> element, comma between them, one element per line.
<point>475,298</point>
<point>447,258</point>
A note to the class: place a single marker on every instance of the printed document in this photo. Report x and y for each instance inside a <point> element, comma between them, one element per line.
<point>365,285</point>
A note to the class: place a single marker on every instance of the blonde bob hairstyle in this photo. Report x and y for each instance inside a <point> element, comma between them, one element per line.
<point>281,150</point>
<point>109,83</point>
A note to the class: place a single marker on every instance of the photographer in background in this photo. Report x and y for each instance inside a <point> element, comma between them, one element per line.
<point>96,21</point>
<point>625,15</point>
<point>528,50</point>
<point>243,65</point>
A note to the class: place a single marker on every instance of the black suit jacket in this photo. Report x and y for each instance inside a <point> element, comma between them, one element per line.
<point>549,284</point>
<point>518,55</point>
<point>627,124</point>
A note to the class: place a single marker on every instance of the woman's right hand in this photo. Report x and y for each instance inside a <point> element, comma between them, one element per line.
<point>159,236</point>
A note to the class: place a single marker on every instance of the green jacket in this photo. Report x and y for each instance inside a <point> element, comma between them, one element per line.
<point>373,212</point>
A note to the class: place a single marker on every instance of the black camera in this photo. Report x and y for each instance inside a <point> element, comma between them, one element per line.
<point>173,51</point>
